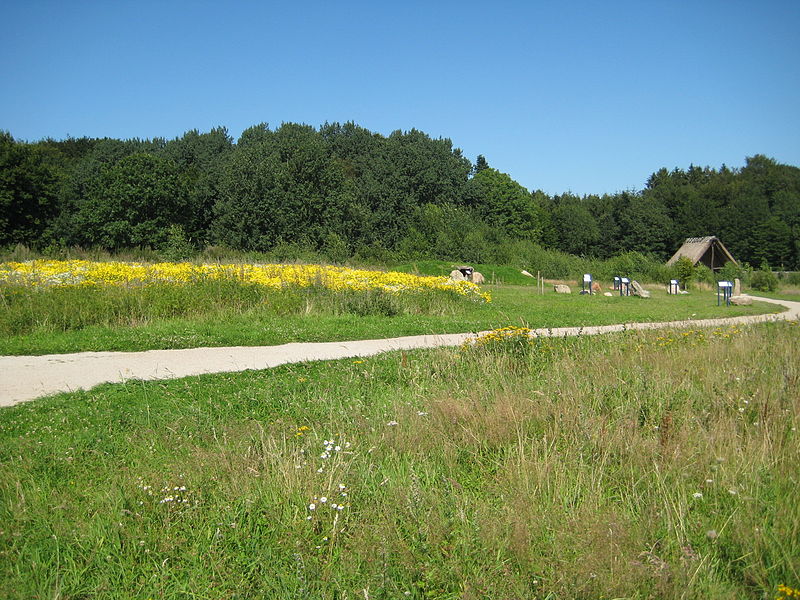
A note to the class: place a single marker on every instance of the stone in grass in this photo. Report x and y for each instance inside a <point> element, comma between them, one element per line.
<point>741,300</point>
<point>562,289</point>
<point>478,278</point>
<point>457,275</point>
<point>607,294</point>
<point>737,287</point>
<point>638,290</point>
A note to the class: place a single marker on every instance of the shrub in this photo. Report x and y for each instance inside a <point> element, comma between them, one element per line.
<point>764,280</point>
<point>732,271</point>
<point>335,248</point>
<point>177,246</point>
<point>684,271</point>
<point>703,274</point>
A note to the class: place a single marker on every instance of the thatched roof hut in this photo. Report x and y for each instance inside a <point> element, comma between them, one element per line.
<point>706,250</point>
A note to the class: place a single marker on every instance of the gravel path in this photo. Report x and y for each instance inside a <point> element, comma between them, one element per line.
<point>27,377</point>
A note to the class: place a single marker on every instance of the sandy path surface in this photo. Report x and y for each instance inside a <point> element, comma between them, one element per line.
<point>28,377</point>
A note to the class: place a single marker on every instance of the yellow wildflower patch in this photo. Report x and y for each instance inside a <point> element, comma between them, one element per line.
<point>501,335</point>
<point>54,273</point>
<point>519,341</point>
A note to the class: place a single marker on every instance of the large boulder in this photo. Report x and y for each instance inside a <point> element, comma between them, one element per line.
<point>562,289</point>
<point>478,277</point>
<point>638,290</point>
<point>741,300</point>
<point>457,275</point>
<point>737,287</point>
<point>596,287</point>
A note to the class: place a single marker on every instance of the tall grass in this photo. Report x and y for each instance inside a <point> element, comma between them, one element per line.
<point>640,465</point>
<point>24,309</point>
<point>57,320</point>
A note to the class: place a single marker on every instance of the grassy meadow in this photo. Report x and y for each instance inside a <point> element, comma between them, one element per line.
<point>637,465</point>
<point>182,307</point>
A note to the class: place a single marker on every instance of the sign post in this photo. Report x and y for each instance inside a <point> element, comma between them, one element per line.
<point>625,286</point>
<point>617,283</point>
<point>725,288</point>
<point>586,284</point>
<point>673,286</point>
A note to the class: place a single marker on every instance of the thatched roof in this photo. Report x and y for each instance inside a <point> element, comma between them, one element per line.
<point>706,250</point>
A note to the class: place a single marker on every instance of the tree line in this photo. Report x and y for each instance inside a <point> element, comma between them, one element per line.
<point>342,191</point>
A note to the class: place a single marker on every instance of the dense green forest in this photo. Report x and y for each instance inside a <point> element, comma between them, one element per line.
<point>343,191</point>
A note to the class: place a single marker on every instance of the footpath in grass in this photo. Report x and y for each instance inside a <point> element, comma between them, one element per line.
<point>787,293</point>
<point>637,465</point>
<point>262,325</point>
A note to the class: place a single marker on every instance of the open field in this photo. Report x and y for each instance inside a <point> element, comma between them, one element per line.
<point>637,465</point>
<point>226,312</point>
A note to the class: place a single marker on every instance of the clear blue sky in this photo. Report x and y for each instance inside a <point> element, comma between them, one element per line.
<point>590,97</point>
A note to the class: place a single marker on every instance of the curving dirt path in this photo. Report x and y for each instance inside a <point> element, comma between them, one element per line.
<point>27,377</point>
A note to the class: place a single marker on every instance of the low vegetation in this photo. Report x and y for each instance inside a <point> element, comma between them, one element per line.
<point>70,306</point>
<point>636,465</point>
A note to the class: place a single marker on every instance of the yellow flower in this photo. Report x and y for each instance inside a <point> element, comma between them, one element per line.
<point>54,273</point>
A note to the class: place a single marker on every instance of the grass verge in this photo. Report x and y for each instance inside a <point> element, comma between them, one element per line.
<point>183,317</point>
<point>638,465</point>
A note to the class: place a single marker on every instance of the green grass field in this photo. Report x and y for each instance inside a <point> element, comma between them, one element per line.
<point>73,320</point>
<point>638,465</point>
